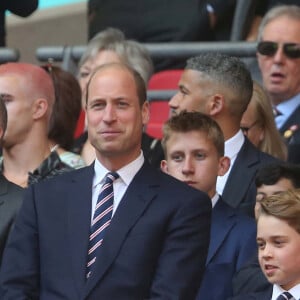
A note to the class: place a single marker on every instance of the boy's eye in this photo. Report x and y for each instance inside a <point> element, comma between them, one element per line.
<point>177,157</point>
<point>278,243</point>
<point>261,245</point>
<point>200,156</point>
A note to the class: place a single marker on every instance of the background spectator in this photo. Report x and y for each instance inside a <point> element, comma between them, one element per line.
<point>258,124</point>
<point>28,93</point>
<point>11,195</point>
<point>64,116</point>
<point>221,86</point>
<point>279,61</point>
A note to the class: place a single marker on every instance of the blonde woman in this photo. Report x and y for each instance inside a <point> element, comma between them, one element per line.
<point>259,126</point>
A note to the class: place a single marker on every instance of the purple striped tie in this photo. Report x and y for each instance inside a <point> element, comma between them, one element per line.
<point>101,219</point>
<point>285,296</point>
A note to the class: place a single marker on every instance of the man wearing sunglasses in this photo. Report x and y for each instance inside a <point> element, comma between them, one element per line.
<point>278,54</point>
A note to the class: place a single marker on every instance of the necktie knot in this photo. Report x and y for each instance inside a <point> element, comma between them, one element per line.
<point>285,296</point>
<point>111,177</point>
<point>276,112</point>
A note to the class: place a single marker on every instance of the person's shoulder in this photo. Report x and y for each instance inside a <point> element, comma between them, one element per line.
<point>261,156</point>
<point>67,174</point>
<point>243,220</point>
<point>164,180</point>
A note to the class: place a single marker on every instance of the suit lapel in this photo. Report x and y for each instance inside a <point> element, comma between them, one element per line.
<point>135,201</point>
<point>241,175</point>
<point>79,215</point>
<point>221,224</point>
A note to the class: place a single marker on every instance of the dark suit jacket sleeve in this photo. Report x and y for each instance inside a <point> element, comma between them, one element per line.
<point>20,265</point>
<point>184,252</point>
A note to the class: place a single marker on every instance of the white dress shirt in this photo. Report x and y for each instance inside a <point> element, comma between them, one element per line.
<point>214,199</point>
<point>232,148</point>
<point>277,290</point>
<point>120,185</point>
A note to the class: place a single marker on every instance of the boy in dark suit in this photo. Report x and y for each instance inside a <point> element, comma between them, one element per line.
<point>194,152</point>
<point>270,179</point>
<point>278,239</point>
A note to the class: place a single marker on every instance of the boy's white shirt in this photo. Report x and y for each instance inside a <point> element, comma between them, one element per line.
<point>277,290</point>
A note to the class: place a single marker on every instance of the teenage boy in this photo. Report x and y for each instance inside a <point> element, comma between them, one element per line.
<point>278,239</point>
<point>194,153</point>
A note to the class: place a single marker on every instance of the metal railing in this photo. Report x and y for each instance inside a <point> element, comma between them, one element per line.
<point>70,55</point>
<point>9,54</point>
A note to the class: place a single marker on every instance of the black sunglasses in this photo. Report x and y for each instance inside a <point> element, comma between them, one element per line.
<point>291,50</point>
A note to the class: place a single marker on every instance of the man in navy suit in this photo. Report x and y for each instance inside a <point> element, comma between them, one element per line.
<point>194,151</point>
<point>278,56</point>
<point>221,87</point>
<point>156,244</point>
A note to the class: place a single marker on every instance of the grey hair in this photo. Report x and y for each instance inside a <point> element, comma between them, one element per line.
<point>130,52</point>
<point>226,72</point>
<point>291,11</point>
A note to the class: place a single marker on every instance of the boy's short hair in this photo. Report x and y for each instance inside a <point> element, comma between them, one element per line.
<point>194,121</point>
<point>284,206</point>
<point>270,174</point>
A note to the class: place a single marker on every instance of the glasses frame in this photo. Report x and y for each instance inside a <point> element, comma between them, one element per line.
<point>245,129</point>
<point>269,48</point>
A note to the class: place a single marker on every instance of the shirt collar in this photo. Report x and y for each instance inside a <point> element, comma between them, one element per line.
<point>234,144</point>
<point>277,290</point>
<point>288,107</point>
<point>126,173</point>
<point>215,199</point>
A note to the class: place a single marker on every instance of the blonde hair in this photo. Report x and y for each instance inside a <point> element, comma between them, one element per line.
<point>272,143</point>
<point>284,206</point>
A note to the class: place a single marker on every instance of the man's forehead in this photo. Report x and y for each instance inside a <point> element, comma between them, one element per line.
<point>288,27</point>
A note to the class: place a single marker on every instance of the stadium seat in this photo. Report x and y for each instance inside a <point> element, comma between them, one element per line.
<point>159,109</point>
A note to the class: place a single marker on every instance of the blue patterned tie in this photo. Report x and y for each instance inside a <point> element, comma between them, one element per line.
<point>285,296</point>
<point>101,219</point>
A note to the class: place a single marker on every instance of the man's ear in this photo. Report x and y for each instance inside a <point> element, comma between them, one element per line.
<point>216,104</point>
<point>224,165</point>
<point>164,166</point>
<point>145,112</point>
<point>40,107</point>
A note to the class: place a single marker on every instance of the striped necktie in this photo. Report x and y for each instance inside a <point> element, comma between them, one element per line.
<point>101,219</point>
<point>285,296</point>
